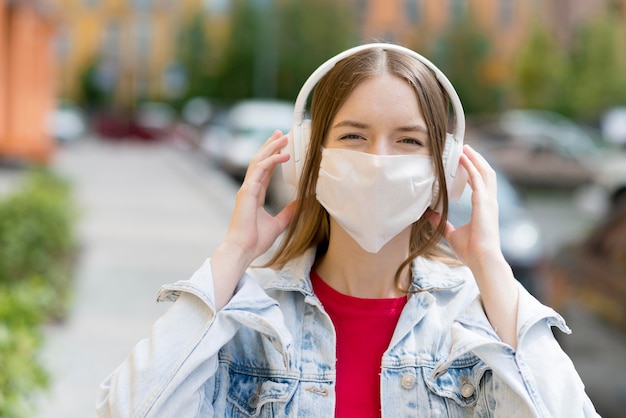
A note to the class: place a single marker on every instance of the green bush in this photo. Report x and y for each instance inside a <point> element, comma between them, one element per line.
<point>37,237</point>
<point>20,340</point>
<point>37,243</point>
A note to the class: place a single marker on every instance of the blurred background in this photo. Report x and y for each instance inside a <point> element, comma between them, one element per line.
<point>127,125</point>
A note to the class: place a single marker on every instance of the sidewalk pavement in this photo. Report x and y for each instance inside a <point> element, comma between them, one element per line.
<point>151,214</point>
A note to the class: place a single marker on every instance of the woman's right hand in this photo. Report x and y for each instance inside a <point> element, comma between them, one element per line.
<point>252,230</point>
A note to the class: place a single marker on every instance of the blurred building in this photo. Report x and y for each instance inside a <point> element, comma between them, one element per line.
<point>26,80</point>
<point>506,23</point>
<point>129,46</point>
<point>125,47</point>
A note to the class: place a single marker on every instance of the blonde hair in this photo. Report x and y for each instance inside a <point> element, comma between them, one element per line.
<point>310,223</point>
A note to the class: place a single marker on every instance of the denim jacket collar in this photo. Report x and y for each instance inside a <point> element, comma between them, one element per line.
<point>427,275</point>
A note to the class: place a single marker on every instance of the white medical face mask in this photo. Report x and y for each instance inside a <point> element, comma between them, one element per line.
<point>374,197</point>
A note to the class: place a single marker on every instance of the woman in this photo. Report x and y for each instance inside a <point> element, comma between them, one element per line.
<point>361,311</point>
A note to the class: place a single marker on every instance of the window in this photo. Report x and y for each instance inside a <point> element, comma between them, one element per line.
<point>111,38</point>
<point>142,4</point>
<point>506,12</point>
<point>166,5</point>
<point>219,7</point>
<point>412,10</point>
<point>143,32</point>
<point>457,10</point>
<point>361,8</point>
<point>62,43</point>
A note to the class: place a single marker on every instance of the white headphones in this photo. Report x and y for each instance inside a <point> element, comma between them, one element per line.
<point>299,136</point>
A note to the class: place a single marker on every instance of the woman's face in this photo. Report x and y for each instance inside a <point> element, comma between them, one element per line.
<point>381,116</point>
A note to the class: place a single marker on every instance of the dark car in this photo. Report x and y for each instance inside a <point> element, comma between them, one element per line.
<point>520,237</point>
<point>545,149</point>
<point>148,121</point>
<point>593,272</point>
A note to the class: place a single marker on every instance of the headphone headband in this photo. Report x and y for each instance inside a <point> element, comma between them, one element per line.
<point>322,70</point>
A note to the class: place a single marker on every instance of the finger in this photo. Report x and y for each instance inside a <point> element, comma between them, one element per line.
<point>474,177</point>
<point>482,165</point>
<point>274,144</point>
<point>267,158</point>
<point>263,170</point>
<point>271,146</point>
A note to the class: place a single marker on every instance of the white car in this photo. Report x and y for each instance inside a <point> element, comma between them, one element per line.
<point>67,122</point>
<point>236,135</point>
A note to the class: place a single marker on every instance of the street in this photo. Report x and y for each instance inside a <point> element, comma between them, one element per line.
<point>597,350</point>
<point>151,214</point>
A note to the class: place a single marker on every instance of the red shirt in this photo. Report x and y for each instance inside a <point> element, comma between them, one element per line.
<point>364,328</point>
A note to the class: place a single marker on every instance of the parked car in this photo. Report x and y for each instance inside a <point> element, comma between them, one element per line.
<point>520,237</point>
<point>155,119</point>
<point>613,125</point>
<point>67,122</point>
<point>593,272</point>
<point>540,148</point>
<point>198,111</point>
<point>148,121</point>
<point>236,134</point>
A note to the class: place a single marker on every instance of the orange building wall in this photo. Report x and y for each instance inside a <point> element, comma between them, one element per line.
<point>28,84</point>
<point>3,72</point>
<point>85,27</point>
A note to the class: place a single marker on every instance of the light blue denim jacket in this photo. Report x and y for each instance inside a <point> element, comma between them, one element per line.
<point>270,352</point>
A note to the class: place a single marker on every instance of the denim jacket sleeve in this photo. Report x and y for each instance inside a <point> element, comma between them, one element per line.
<point>538,375</point>
<point>167,374</point>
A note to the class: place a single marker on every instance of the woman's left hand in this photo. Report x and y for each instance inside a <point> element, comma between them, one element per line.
<point>478,240</point>
<point>477,243</point>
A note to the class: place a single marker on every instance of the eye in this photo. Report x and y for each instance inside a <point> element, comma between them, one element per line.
<point>413,141</point>
<point>351,136</point>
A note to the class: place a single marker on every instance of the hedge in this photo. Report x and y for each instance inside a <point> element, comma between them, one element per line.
<point>37,247</point>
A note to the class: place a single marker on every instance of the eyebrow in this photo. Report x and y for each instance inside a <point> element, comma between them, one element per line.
<point>361,125</point>
<point>351,124</point>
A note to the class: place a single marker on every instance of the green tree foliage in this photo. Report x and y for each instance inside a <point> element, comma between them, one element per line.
<point>91,94</point>
<point>462,53</point>
<point>235,75</point>
<point>311,32</point>
<point>540,72</point>
<point>274,46</point>
<point>194,51</point>
<point>580,81</point>
<point>597,72</point>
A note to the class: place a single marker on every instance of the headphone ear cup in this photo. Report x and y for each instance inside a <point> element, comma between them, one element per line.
<point>299,137</point>
<point>458,184</point>
<point>288,168</point>
<point>455,175</point>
